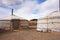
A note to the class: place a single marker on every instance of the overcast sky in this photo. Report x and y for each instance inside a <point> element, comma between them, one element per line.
<point>28,9</point>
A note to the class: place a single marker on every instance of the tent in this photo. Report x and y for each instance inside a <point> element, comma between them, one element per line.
<point>33,23</point>
<point>12,22</point>
<point>50,22</point>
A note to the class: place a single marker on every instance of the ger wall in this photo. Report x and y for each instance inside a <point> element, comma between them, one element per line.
<point>4,24</point>
<point>49,23</point>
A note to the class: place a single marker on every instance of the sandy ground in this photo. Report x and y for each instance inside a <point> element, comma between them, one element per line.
<point>29,34</point>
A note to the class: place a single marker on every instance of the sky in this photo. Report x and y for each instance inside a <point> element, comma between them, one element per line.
<point>28,9</point>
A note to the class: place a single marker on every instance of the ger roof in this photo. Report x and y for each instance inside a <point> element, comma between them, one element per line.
<point>12,17</point>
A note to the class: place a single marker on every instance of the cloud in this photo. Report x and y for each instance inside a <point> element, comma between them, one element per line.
<point>12,3</point>
<point>16,3</point>
<point>30,9</point>
<point>47,7</point>
<point>4,12</point>
<point>27,11</point>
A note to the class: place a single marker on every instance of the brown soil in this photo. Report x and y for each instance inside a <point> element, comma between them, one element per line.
<point>29,34</point>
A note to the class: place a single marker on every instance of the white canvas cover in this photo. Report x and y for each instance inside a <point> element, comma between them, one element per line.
<point>5,25</point>
<point>24,23</point>
<point>54,21</point>
<point>5,22</point>
<point>12,17</point>
<point>50,22</point>
<point>42,25</point>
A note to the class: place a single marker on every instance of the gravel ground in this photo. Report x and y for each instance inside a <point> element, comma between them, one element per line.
<point>29,34</point>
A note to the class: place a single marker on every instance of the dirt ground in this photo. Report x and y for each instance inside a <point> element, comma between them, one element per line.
<point>29,34</point>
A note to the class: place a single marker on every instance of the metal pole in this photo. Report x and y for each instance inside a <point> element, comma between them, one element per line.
<point>12,11</point>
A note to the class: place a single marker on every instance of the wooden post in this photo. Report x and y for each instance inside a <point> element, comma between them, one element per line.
<point>47,23</point>
<point>12,25</point>
<point>19,25</point>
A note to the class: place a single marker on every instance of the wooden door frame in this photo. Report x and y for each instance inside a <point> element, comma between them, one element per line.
<point>12,24</point>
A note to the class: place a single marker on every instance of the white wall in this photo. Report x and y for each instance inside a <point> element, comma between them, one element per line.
<point>5,24</point>
<point>52,24</point>
<point>42,24</point>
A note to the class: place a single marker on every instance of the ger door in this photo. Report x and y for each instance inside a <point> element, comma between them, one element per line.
<point>16,24</point>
